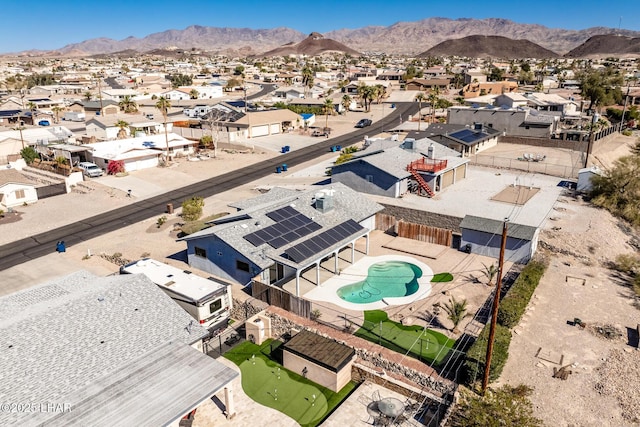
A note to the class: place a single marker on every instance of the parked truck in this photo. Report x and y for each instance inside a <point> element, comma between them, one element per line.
<point>74,116</point>
<point>208,301</point>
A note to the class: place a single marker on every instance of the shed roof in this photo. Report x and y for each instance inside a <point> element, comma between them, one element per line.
<point>13,176</point>
<point>320,350</point>
<point>492,226</point>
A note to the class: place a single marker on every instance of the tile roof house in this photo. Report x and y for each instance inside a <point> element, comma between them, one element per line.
<point>277,235</point>
<point>384,168</point>
<point>102,351</point>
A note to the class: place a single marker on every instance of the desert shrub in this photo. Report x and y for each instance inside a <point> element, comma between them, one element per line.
<point>192,208</point>
<point>160,221</point>
<point>627,132</point>
<point>504,406</point>
<point>115,167</point>
<point>514,304</point>
<point>475,360</point>
<point>626,263</point>
<point>29,154</point>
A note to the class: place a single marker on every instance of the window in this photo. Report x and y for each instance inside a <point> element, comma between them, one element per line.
<point>200,252</point>
<point>19,194</point>
<point>215,306</point>
<point>242,266</point>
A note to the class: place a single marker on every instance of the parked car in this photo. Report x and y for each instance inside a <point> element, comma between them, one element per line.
<point>318,132</point>
<point>364,123</point>
<point>44,123</point>
<point>90,169</point>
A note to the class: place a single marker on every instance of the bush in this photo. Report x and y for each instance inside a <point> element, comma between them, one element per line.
<point>29,154</point>
<point>192,208</point>
<point>115,167</point>
<point>476,356</point>
<point>514,304</point>
<point>627,132</point>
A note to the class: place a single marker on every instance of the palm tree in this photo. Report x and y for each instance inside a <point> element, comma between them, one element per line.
<point>57,110</point>
<point>128,105</point>
<point>456,312</point>
<point>490,272</point>
<point>163,105</point>
<point>87,95</point>
<point>33,108</point>
<point>328,109</point>
<point>193,94</point>
<point>420,97</point>
<point>122,134</point>
<point>433,100</point>
<point>346,103</point>
<point>381,91</point>
<point>307,77</point>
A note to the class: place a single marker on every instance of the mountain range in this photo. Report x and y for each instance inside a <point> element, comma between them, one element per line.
<point>402,37</point>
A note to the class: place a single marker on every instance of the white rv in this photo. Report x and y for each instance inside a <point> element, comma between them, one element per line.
<point>206,300</point>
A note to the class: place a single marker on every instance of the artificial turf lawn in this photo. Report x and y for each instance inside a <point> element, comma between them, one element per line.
<point>415,340</point>
<point>442,277</point>
<point>294,393</point>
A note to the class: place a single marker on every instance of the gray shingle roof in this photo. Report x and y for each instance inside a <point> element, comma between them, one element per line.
<point>390,156</point>
<point>492,226</point>
<point>348,204</point>
<point>77,331</point>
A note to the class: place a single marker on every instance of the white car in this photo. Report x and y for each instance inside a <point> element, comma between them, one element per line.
<point>90,169</point>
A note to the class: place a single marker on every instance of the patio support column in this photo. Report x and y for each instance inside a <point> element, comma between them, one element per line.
<point>353,252</point>
<point>228,401</point>
<point>297,282</point>
<point>367,249</point>
<point>317,273</point>
<point>335,262</point>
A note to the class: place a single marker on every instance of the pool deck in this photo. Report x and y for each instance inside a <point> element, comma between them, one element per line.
<point>468,283</point>
<point>327,291</point>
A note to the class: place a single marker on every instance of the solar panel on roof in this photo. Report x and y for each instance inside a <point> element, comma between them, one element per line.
<point>290,226</point>
<point>323,241</point>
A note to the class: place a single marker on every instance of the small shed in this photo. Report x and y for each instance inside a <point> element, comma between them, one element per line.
<point>483,236</point>
<point>320,359</point>
<point>584,178</point>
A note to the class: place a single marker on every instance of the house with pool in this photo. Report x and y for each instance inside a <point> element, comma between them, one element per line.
<point>275,237</point>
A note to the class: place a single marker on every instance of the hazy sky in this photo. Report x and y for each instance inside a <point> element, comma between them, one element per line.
<point>38,24</point>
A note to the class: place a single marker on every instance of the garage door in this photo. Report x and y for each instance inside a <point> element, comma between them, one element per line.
<point>260,130</point>
<point>275,128</point>
<point>447,179</point>
<point>461,172</point>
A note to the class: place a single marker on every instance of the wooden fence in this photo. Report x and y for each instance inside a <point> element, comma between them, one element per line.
<point>425,233</point>
<point>411,230</point>
<point>281,298</point>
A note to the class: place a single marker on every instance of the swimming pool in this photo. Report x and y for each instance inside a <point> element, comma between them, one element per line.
<point>375,283</point>
<point>386,279</point>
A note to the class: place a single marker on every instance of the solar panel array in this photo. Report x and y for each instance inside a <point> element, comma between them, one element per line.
<point>326,239</point>
<point>467,135</point>
<point>290,226</point>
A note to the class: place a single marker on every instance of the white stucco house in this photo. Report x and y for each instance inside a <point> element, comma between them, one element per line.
<point>16,189</point>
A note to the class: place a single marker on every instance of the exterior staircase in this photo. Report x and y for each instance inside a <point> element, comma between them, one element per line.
<point>422,183</point>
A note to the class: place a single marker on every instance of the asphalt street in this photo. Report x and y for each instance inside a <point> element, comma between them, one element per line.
<point>41,244</point>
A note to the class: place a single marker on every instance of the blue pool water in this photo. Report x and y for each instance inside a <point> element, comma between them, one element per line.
<point>384,279</point>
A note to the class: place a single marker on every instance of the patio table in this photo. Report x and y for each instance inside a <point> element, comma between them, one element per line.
<point>390,406</point>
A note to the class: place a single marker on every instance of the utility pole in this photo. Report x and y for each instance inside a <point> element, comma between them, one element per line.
<point>591,138</point>
<point>496,304</point>
<point>624,109</point>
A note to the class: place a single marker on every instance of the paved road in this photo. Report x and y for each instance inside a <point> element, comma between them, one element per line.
<point>44,243</point>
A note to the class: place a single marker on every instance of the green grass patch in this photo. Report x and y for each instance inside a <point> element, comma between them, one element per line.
<point>414,340</point>
<point>270,384</point>
<point>442,277</point>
